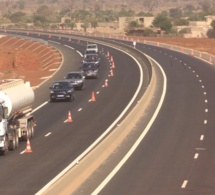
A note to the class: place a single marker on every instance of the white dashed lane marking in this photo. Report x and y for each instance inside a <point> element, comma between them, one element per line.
<point>196,156</point>
<point>202,137</point>
<point>48,134</point>
<point>184,184</point>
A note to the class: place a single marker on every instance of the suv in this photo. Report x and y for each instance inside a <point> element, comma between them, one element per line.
<point>62,90</point>
<point>90,69</point>
<point>77,79</point>
<point>92,46</point>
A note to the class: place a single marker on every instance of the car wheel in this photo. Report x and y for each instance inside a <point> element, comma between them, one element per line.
<point>83,87</point>
<point>72,98</point>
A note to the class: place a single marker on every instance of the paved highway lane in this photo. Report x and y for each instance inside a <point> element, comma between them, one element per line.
<point>176,156</point>
<point>56,144</point>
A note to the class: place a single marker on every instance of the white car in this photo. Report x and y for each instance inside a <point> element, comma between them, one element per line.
<point>92,47</point>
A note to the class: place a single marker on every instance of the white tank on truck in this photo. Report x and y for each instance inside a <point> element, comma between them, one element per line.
<point>16,121</point>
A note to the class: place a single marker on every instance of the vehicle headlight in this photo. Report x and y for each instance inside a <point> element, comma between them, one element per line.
<point>51,91</point>
<point>69,91</point>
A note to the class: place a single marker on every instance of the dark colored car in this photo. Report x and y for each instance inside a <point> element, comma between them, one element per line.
<point>90,69</point>
<point>77,79</point>
<point>62,90</point>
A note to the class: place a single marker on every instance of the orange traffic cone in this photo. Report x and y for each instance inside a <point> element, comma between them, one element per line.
<point>111,58</point>
<point>106,83</point>
<point>69,120</point>
<point>111,73</point>
<point>113,65</point>
<point>28,147</point>
<point>108,54</point>
<point>93,99</point>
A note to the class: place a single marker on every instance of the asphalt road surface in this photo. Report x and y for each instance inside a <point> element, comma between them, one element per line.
<point>57,143</point>
<point>177,155</point>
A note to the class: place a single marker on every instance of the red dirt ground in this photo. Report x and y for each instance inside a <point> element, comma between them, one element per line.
<point>28,60</point>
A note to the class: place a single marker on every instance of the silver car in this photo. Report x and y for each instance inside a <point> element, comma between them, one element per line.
<point>77,79</point>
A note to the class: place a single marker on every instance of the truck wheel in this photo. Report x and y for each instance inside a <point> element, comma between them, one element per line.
<point>12,143</point>
<point>26,136</point>
<point>32,129</point>
<point>16,139</point>
<point>29,130</point>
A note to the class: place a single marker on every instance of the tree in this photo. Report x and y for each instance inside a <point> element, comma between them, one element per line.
<point>126,13</point>
<point>85,25</point>
<point>211,32</point>
<point>94,23</point>
<point>163,22</point>
<point>150,5</point>
<point>175,13</point>
<point>69,23</point>
<point>40,21</point>
<point>44,10</point>
<point>132,25</point>
<point>17,17</point>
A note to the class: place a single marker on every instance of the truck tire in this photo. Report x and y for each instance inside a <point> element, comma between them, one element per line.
<point>26,136</point>
<point>16,139</point>
<point>32,128</point>
<point>29,129</point>
<point>12,143</point>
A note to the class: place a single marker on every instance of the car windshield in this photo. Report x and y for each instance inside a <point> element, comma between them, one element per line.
<point>73,76</point>
<point>91,47</point>
<point>90,52</point>
<point>90,58</point>
<point>89,66</point>
<point>61,85</point>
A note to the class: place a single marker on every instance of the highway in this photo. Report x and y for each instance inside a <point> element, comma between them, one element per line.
<point>57,143</point>
<point>176,155</point>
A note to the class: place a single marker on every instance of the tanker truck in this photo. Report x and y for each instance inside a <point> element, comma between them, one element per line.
<point>16,121</point>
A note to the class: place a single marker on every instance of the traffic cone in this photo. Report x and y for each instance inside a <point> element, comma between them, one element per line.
<point>113,65</point>
<point>28,147</point>
<point>111,58</point>
<point>106,83</point>
<point>108,54</point>
<point>93,99</point>
<point>111,73</point>
<point>69,120</point>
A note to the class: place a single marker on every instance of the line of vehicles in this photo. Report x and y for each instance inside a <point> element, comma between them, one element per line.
<point>65,89</point>
<point>16,99</point>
